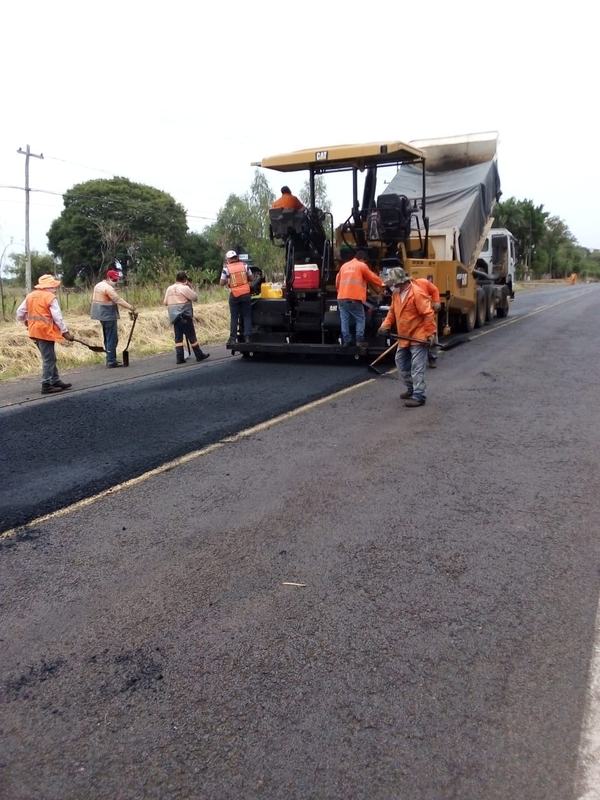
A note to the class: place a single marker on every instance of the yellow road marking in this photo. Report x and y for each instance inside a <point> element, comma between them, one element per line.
<point>262,426</point>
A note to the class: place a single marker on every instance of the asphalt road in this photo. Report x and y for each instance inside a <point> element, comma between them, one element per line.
<point>439,644</point>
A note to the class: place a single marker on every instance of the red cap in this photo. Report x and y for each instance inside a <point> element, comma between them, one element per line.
<point>113,275</point>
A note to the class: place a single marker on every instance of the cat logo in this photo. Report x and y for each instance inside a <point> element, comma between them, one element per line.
<point>333,308</point>
<point>462,279</point>
<point>321,155</point>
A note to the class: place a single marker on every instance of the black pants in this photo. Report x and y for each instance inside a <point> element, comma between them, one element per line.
<point>240,306</point>
<point>183,326</point>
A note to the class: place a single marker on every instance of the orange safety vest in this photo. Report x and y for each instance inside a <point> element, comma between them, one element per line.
<point>352,278</point>
<point>238,278</point>
<point>40,324</point>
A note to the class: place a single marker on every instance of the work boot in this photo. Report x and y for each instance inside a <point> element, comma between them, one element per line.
<point>431,363</point>
<point>46,389</point>
<point>362,348</point>
<point>231,341</point>
<point>405,395</point>
<point>114,364</point>
<point>247,339</point>
<point>413,402</point>
<point>62,385</point>
<point>179,355</point>
<point>200,356</point>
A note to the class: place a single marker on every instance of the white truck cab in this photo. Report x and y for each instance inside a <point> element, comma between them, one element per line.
<point>499,255</point>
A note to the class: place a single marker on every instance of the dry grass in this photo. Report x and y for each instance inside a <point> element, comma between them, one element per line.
<point>153,334</point>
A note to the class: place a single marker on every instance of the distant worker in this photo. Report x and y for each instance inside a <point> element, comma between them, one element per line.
<point>236,275</point>
<point>178,299</point>
<point>434,295</point>
<point>412,314</point>
<point>40,312</point>
<point>105,302</point>
<point>351,284</point>
<point>288,200</point>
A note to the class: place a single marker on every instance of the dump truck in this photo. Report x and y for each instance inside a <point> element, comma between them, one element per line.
<point>432,218</point>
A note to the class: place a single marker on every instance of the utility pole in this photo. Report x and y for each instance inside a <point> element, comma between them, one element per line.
<point>28,154</point>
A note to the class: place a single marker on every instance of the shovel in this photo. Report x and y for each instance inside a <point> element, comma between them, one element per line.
<point>126,351</point>
<point>96,348</point>
<point>450,346</point>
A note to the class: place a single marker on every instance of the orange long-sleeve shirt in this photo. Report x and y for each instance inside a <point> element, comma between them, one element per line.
<point>411,313</point>
<point>352,279</point>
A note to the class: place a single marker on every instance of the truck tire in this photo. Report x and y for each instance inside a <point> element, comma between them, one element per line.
<point>468,320</point>
<point>502,310</point>
<point>491,304</point>
<point>480,316</point>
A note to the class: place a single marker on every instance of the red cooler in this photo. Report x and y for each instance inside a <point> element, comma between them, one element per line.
<point>306,276</point>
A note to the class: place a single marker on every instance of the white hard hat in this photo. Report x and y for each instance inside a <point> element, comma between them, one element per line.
<point>230,254</point>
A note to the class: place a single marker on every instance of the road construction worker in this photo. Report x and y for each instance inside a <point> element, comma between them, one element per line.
<point>412,314</point>
<point>178,300</point>
<point>434,295</point>
<point>351,284</point>
<point>105,303</point>
<point>236,275</point>
<point>288,200</point>
<point>40,312</point>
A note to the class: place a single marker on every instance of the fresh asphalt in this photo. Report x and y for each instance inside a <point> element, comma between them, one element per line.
<point>361,601</point>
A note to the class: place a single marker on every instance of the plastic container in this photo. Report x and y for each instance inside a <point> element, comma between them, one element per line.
<point>271,291</point>
<point>306,276</point>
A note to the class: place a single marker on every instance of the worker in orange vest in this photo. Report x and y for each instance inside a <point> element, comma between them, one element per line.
<point>236,275</point>
<point>351,284</point>
<point>40,312</point>
<point>288,200</point>
<point>412,314</point>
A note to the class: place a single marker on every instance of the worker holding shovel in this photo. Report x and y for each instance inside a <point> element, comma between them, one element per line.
<point>105,303</point>
<point>40,312</point>
<point>412,314</point>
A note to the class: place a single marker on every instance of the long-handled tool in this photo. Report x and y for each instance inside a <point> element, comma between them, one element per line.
<point>126,351</point>
<point>96,348</point>
<point>380,357</point>
<point>450,346</point>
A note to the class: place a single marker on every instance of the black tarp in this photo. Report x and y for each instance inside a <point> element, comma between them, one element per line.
<point>459,198</point>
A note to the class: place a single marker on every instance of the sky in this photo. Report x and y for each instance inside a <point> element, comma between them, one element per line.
<point>184,97</point>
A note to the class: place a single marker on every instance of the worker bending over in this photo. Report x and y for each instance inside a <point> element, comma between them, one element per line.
<point>178,300</point>
<point>412,314</point>
<point>351,284</point>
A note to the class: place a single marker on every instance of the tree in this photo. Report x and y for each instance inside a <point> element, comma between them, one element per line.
<point>117,218</point>
<point>41,264</point>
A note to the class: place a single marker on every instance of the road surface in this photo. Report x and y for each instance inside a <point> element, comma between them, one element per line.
<point>354,600</point>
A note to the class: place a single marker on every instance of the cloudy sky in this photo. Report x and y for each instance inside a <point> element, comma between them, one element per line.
<point>184,97</point>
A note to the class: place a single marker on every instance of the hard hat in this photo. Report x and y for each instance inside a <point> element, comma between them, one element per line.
<point>396,275</point>
<point>231,254</point>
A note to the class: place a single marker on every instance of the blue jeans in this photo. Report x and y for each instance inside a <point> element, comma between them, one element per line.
<point>352,310</point>
<point>111,339</point>
<point>412,362</point>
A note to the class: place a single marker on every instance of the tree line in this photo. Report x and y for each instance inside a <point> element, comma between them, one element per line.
<point>145,230</point>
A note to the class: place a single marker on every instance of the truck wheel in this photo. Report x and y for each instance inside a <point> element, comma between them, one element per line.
<point>502,310</point>
<point>491,305</point>
<point>480,317</point>
<point>468,320</point>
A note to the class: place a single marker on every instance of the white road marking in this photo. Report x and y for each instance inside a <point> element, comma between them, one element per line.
<point>587,775</point>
